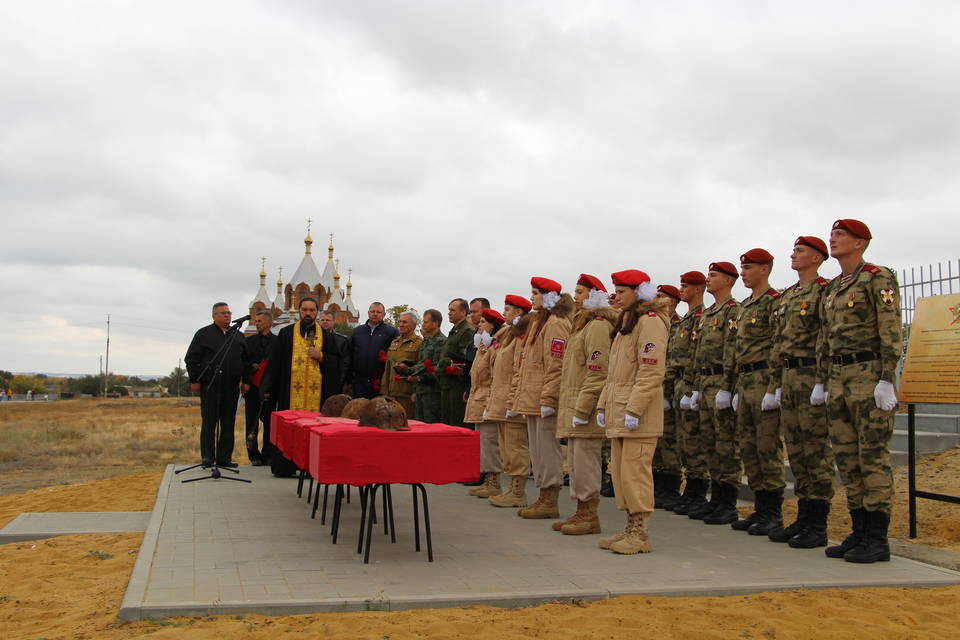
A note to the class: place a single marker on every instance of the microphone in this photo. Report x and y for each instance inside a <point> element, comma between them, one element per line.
<point>240,321</point>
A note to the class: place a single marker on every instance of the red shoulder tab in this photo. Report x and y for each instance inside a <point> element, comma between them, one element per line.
<point>698,313</point>
<point>731,302</point>
<point>652,314</point>
<point>676,319</point>
<point>598,317</point>
<point>871,268</point>
<point>822,282</point>
<point>773,293</point>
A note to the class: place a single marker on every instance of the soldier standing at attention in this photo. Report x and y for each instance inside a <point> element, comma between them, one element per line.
<point>426,388</point>
<point>860,345</point>
<point>758,421</point>
<point>715,360</point>
<point>667,465</point>
<point>401,355</point>
<point>792,379</point>
<point>692,286</point>
<point>452,367</point>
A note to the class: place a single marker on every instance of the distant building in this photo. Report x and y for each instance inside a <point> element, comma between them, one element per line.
<point>306,281</point>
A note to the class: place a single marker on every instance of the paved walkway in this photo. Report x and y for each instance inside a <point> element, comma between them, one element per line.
<point>226,547</point>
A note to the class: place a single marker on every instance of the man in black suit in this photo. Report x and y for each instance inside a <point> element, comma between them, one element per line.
<point>258,346</point>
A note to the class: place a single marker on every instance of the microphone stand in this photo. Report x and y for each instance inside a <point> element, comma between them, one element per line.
<point>217,379</point>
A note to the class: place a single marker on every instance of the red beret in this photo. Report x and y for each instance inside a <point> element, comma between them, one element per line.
<point>588,280</point>
<point>725,268</point>
<point>518,301</point>
<point>493,316</point>
<point>629,278</point>
<point>855,227</point>
<point>756,256</point>
<point>815,243</point>
<point>545,284</point>
<point>670,290</point>
<point>693,277</point>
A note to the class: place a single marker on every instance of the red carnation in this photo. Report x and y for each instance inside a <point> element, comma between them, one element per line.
<point>396,377</point>
<point>382,355</point>
<point>376,384</point>
<point>453,371</point>
<point>429,366</point>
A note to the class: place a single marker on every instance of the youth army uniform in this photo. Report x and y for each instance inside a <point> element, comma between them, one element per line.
<point>689,435</point>
<point>427,388</point>
<point>667,460</point>
<point>859,347</point>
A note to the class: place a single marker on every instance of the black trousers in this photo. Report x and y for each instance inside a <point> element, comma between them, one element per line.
<point>363,388</point>
<point>252,409</point>
<point>218,408</point>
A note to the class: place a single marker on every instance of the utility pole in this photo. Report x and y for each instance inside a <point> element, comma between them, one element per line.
<point>178,376</point>
<point>106,376</point>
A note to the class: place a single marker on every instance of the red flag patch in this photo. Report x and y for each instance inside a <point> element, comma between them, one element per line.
<point>557,347</point>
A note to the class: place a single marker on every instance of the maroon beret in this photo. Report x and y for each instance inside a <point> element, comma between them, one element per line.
<point>726,268</point>
<point>588,280</point>
<point>518,301</point>
<point>756,256</point>
<point>815,243</point>
<point>670,290</point>
<point>693,277</point>
<point>629,278</point>
<point>493,316</point>
<point>545,284</point>
<point>855,227</point>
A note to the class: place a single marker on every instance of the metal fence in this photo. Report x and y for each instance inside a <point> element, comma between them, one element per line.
<point>926,280</point>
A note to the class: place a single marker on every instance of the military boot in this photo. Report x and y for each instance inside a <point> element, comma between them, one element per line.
<point>694,496</point>
<point>814,532</point>
<point>782,534</point>
<point>589,521</point>
<point>636,539</point>
<point>490,486</point>
<point>772,516</point>
<point>706,508</point>
<point>514,496</point>
<point>759,502</point>
<point>726,509</point>
<point>873,545</point>
<point>671,491</point>
<point>575,516</point>
<point>858,520</point>
<point>606,543</point>
<point>545,506</point>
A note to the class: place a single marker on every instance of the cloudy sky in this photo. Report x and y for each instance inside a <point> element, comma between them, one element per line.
<point>150,153</point>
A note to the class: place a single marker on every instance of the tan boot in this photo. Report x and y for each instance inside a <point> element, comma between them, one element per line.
<point>545,506</point>
<point>636,539</point>
<point>609,541</point>
<point>514,496</point>
<point>574,517</point>
<point>589,521</point>
<point>490,486</point>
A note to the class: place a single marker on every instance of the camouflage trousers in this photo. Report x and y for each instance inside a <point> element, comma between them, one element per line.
<point>806,435</point>
<point>428,407</point>
<point>718,428</point>
<point>861,434</point>
<point>758,434</point>
<point>452,405</point>
<point>691,440</point>
<point>667,458</point>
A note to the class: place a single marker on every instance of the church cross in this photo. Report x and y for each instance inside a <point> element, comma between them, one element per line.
<point>309,220</point>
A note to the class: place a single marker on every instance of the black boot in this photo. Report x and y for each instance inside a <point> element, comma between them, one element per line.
<point>671,491</point>
<point>759,500</point>
<point>726,510</point>
<point>772,516</point>
<point>873,545</point>
<point>606,486</point>
<point>782,534</point>
<point>814,532</point>
<point>657,490</point>
<point>692,496</point>
<point>705,508</point>
<point>858,520</point>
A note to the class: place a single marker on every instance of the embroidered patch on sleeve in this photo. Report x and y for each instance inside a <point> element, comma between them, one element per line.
<point>887,296</point>
<point>595,367</point>
<point>556,347</point>
<point>649,347</point>
<point>648,360</point>
<point>595,355</point>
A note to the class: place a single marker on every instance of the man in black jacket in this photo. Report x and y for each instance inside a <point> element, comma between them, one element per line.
<point>336,370</point>
<point>218,382</point>
<point>368,351</point>
<point>258,346</point>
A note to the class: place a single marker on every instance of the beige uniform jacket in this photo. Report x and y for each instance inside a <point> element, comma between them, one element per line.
<point>481,377</point>
<point>536,383</point>
<point>635,379</point>
<point>401,350</point>
<point>584,372</point>
<point>503,361</point>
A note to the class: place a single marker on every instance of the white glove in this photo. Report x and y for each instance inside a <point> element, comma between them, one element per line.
<point>631,422</point>
<point>601,421</point>
<point>770,402</point>
<point>666,405</point>
<point>778,395</point>
<point>685,403</point>
<point>722,399</point>
<point>735,403</point>
<point>885,396</point>
<point>484,415</point>
<point>818,396</point>
<point>476,340</point>
<point>486,339</point>
<point>510,414</point>
<point>546,412</point>
<point>695,401</point>
<point>577,422</point>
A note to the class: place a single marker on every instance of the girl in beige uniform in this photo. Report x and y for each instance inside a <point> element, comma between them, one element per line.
<point>505,359</point>
<point>536,388</point>
<point>631,405</point>
<point>481,378</point>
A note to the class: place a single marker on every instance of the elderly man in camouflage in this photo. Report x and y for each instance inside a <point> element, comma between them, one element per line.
<point>712,395</point>
<point>758,421</point>
<point>792,378</point>
<point>859,346</point>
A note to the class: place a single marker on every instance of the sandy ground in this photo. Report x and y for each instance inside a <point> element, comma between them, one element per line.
<point>72,586</point>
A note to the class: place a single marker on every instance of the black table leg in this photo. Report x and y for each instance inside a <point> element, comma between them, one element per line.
<point>393,529</point>
<point>373,507</point>
<point>337,500</point>
<point>416,516</point>
<point>326,491</point>
<point>426,522</point>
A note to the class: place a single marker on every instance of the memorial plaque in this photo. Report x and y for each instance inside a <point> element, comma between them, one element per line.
<point>931,372</point>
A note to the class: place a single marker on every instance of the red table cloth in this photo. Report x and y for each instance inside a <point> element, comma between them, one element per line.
<point>428,453</point>
<point>281,422</point>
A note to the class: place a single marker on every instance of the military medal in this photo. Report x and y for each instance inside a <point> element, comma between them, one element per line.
<point>850,301</point>
<point>803,307</point>
<point>715,322</point>
<point>753,318</point>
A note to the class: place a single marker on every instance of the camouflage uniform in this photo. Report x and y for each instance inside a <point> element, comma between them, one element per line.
<point>859,345</point>
<point>393,384</point>
<point>456,352</point>
<point>690,438</point>
<point>794,371</point>
<point>667,457</point>
<point>758,432</point>
<point>427,388</point>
